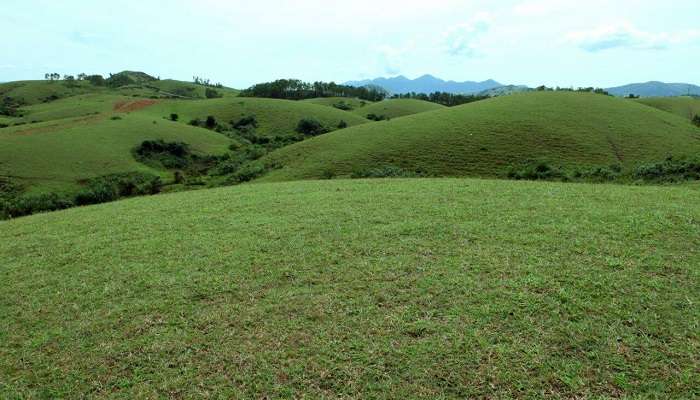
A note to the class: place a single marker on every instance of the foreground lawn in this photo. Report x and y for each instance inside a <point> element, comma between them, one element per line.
<point>358,289</point>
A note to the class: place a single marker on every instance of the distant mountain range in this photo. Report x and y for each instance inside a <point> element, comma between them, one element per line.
<point>655,89</point>
<point>427,84</point>
<point>430,84</point>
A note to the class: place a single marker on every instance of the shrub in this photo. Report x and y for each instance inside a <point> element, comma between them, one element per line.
<point>245,123</point>
<point>696,120</point>
<point>212,94</point>
<point>375,117</point>
<point>343,106</point>
<point>116,118</point>
<point>3,126</point>
<point>311,127</point>
<point>113,187</point>
<point>174,117</point>
<point>534,171</point>
<point>169,154</point>
<point>196,122</point>
<point>248,172</point>
<point>342,125</point>
<point>32,204</point>
<point>669,170</point>
<point>210,123</point>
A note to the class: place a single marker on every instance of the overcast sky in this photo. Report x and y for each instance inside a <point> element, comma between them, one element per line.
<point>555,42</point>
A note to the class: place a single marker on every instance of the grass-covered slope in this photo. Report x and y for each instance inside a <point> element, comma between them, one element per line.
<point>57,154</point>
<point>274,117</point>
<point>349,104</point>
<point>487,137</point>
<point>362,289</point>
<point>395,108</point>
<point>686,107</point>
<point>34,92</point>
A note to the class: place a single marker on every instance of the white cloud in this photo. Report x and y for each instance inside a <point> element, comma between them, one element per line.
<point>626,35</point>
<point>463,39</point>
<point>538,8</point>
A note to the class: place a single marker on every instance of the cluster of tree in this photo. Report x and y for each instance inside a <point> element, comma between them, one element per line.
<point>544,88</point>
<point>97,80</point>
<point>10,107</point>
<point>444,98</point>
<point>205,82</point>
<point>294,89</point>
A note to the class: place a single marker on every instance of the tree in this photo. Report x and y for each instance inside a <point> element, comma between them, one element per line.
<point>97,80</point>
<point>311,127</point>
<point>174,117</point>
<point>210,122</point>
<point>82,76</point>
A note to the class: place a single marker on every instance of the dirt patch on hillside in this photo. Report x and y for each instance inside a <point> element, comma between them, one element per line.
<point>130,106</point>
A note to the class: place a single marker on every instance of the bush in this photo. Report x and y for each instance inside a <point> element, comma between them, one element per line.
<point>342,125</point>
<point>212,94</point>
<point>32,204</point>
<point>248,172</point>
<point>311,127</point>
<point>210,123</point>
<point>375,117</point>
<point>169,154</point>
<point>669,170</point>
<point>245,123</point>
<point>3,126</point>
<point>696,120</point>
<point>174,117</point>
<point>113,187</point>
<point>535,171</point>
<point>343,106</point>
<point>196,122</point>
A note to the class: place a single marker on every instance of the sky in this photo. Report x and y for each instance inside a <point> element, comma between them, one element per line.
<point>564,43</point>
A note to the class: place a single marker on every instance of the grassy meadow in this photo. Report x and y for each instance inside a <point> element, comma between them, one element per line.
<point>486,138</point>
<point>686,107</point>
<point>395,108</point>
<point>416,288</point>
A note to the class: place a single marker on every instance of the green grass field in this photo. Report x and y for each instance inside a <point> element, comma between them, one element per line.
<point>422,288</point>
<point>275,117</point>
<point>686,107</point>
<point>485,138</point>
<point>395,108</point>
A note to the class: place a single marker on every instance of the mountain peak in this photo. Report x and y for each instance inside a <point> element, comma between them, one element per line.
<point>428,84</point>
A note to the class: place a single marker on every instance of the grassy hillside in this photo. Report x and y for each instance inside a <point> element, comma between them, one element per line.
<point>488,137</point>
<point>57,154</point>
<point>686,107</point>
<point>395,108</point>
<point>275,117</point>
<point>350,289</point>
<point>34,92</point>
<point>343,102</point>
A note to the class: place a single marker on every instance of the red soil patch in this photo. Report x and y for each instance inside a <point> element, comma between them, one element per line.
<point>129,106</point>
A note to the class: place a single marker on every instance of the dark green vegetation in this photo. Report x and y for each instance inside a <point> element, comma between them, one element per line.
<point>358,289</point>
<point>446,99</point>
<point>572,131</point>
<point>294,89</point>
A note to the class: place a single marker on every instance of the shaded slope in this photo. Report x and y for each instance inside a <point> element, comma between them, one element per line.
<point>487,137</point>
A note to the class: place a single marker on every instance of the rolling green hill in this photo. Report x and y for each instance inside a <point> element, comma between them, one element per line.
<point>395,108</point>
<point>56,155</point>
<point>432,289</point>
<point>488,137</point>
<point>275,117</point>
<point>686,107</point>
